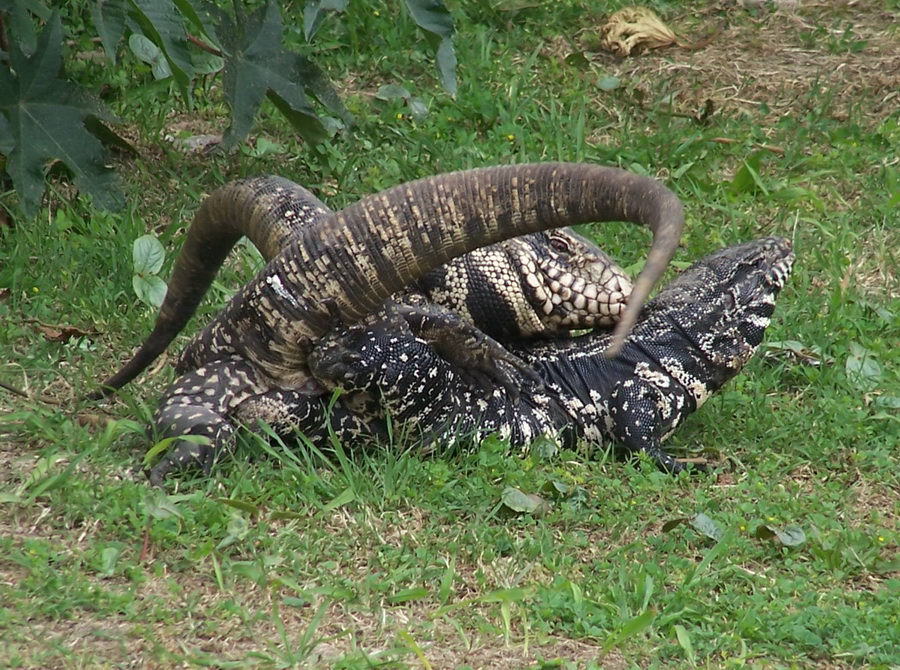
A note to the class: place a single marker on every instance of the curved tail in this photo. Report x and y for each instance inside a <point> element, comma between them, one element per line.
<point>373,248</point>
<point>287,208</point>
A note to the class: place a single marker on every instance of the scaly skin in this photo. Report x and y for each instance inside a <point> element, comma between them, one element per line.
<point>351,262</point>
<point>694,336</point>
<point>538,285</point>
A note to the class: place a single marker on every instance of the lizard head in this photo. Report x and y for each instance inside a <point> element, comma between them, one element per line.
<point>569,282</point>
<point>726,300</point>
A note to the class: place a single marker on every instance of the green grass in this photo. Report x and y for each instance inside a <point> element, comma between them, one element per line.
<point>391,558</point>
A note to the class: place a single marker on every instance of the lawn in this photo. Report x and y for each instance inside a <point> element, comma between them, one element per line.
<point>785,555</point>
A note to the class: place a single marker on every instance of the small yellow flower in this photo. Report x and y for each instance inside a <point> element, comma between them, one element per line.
<point>742,527</point>
<point>36,289</point>
<point>399,115</point>
<point>880,538</point>
<point>376,13</point>
<point>771,518</point>
<point>510,137</point>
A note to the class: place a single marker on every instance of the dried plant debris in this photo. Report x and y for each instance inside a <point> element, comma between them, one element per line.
<point>635,28</point>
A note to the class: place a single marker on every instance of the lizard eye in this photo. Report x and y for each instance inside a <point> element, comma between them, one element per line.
<point>559,245</point>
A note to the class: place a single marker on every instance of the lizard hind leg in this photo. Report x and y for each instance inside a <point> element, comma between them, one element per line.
<point>200,404</point>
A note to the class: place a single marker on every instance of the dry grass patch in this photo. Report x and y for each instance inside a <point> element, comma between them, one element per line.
<point>776,60</point>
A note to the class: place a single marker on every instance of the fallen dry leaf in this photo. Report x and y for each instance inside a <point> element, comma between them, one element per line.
<point>61,333</point>
<point>635,27</point>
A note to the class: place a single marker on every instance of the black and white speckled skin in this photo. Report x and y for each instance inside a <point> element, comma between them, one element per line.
<point>355,259</point>
<point>693,337</point>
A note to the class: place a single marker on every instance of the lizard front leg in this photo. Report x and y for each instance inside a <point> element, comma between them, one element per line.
<point>475,356</point>
<point>637,422</point>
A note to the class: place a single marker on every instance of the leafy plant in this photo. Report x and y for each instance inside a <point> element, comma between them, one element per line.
<point>45,118</point>
<point>148,260</point>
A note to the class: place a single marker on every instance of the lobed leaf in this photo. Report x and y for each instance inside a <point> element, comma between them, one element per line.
<point>255,67</point>
<point>45,119</point>
<point>7,141</point>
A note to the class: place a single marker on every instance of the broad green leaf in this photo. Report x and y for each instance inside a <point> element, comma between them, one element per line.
<point>699,522</point>
<point>21,24</point>
<point>161,22</point>
<point>316,83</point>
<point>199,19</point>
<point>391,92</point>
<point>109,21</point>
<point>608,83</point>
<point>108,559</point>
<point>747,177</point>
<point>265,146</point>
<point>577,59</point>
<point>37,8</point>
<point>417,108</point>
<point>256,66</point>
<point>888,401</point>
<point>707,526</point>
<point>161,506</point>
<point>205,63</point>
<point>433,17</point>
<point>518,501</point>
<point>300,113</point>
<point>107,136</point>
<point>144,48</point>
<point>46,118</point>
<point>149,254</point>
<point>314,13</point>
<point>446,62</point>
<point>150,289</point>
<point>791,536</point>
<point>863,368</point>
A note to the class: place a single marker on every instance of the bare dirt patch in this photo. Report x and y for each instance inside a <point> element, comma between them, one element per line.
<point>774,64</point>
